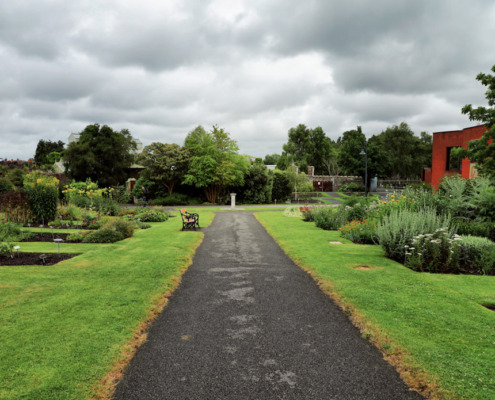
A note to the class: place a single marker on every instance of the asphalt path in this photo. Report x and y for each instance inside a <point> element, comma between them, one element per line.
<point>247,323</point>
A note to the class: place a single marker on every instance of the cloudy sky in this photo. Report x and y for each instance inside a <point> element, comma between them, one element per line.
<point>255,67</point>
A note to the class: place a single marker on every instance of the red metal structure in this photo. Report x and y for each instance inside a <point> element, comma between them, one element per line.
<point>443,163</point>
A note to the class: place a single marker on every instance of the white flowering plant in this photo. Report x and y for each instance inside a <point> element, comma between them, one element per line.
<point>434,252</point>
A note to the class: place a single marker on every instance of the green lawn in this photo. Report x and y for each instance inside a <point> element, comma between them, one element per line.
<point>64,327</point>
<point>433,327</point>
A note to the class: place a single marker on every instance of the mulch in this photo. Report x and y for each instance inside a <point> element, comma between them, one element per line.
<point>34,259</point>
<point>22,258</point>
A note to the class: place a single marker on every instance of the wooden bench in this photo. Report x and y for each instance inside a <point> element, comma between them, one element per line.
<point>189,220</point>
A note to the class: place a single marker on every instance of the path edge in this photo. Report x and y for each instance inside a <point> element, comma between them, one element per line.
<point>415,377</point>
<point>106,386</point>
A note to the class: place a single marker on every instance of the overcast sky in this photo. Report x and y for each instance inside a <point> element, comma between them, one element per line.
<point>256,68</point>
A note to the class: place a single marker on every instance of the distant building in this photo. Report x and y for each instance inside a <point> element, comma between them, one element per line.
<point>443,163</point>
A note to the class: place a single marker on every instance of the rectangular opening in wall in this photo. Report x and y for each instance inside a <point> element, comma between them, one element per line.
<point>454,161</point>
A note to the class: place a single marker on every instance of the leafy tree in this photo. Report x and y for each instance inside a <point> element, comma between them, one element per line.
<point>306,147</point>
<point>281,188</point>
<point>101,154</point>
<point>331,162</point>
<point>165,163</point>
<point>482,151</point>
<point>352,162</point>
<point>256,189</point>
<point>406,153</point>
<point>214,164</point>
<point>44,148</point>
<point>271,159</point>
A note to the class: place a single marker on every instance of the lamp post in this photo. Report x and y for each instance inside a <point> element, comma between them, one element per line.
<point>364,153</point>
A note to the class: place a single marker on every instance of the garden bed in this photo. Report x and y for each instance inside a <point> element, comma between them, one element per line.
<point>46,237</point>
<point>34,259</point>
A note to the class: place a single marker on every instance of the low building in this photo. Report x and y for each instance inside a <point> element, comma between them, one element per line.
<point>444,163</point>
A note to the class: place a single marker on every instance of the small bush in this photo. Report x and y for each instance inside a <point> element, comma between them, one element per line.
<point>292,211</point>
<point>307,213</point>
<point>6,185</point>
<point>477,255</point>
<point>10,232</point>
<point>104,235</point>
<point>42,191</point>
<point>351,187</point>
<point>152,215</point>
<point>75,237</point>
<point>175,199</point>
<point>483,229</point>
<point>327,218</point>
<point>126,228</point>
<point>434,252</point>
<point>142,225</point>
<point>360,231</point>
<point>397,230</point>
<point>6,249</point>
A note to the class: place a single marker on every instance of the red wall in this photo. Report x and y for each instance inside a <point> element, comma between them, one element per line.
<point>443,140</point>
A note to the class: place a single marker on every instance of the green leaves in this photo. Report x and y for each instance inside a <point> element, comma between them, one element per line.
<point>483,151</point>
<point>214,163</point>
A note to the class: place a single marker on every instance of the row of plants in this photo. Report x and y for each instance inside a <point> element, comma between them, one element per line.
<point>449,231</point>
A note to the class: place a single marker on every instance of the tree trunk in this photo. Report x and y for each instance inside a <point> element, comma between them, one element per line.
<point>170,186</point>
<point>212,193</point>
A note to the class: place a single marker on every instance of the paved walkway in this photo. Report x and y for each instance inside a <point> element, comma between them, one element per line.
<point>247,323</point>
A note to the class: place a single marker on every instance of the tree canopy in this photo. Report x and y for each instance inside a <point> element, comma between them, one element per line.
<point>214,164</point>
<point>164,163</point>
<point>406,153</point>
<point>44,149</point>
<point>101,154</point>
<point>482,151</point>
<point>306,147</point>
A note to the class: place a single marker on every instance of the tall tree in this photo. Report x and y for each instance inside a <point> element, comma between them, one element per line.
<point>482,151</point>
<point>165,163</point>
<point>406,153</point>
<point>214,164</point>
<point>256,189</point>
<point>44,148</point>
<point>356,152</point>
<point>100,154</point>
<point>271,159</point>
<point>306,147</point>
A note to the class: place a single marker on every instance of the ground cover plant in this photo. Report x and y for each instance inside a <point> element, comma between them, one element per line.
<point>434,327</point>
<point>64,327</point>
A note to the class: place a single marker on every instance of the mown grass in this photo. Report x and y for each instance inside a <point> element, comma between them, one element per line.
<point>64,327</point>
<point>433,327</point>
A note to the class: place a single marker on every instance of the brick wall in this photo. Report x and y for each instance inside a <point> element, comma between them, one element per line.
<point>442,141</point>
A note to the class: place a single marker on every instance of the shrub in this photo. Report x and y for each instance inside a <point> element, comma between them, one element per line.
<point>398,229</point>
<point>483,197</point>
<point>174,199</point>
<point>152,215</point>
<point>434,252</point>
<point>292,211</point>
<point>307,213</point>
<point>6,185</point>
<point>142,225</point>
<point>6,249</point>
<point>121,195</point>
<point>42,191</point>
<point>477,255</point>
<point>126,228</point>
<point>360,231</point>
<point>483,229</point>
<point>75,237</point>
<point>68,212</point>
<point>104,235</point>
<point>10,232</point>
<point>351,187</point>
<point>327,218</point>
